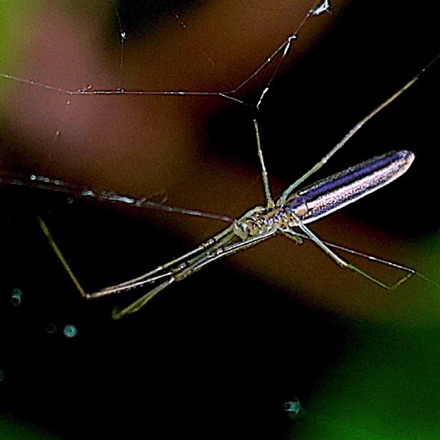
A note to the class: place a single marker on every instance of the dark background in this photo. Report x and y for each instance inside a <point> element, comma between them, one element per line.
<point>216,356</point>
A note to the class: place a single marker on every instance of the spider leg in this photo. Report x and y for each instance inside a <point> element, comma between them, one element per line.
<point>318,165</point>
<point>223,249</point>
<point>326,248</point>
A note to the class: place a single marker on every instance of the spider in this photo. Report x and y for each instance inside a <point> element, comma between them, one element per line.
<point>288,216</point>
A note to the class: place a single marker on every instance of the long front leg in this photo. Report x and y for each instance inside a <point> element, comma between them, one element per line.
<point>165,270</point>
<point>223,249</point>
<point>160,272</point>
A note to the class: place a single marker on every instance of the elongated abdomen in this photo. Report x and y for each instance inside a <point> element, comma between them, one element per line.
<point>327,195</point>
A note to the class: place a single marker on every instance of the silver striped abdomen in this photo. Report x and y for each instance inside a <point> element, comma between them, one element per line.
<point>330,194</point>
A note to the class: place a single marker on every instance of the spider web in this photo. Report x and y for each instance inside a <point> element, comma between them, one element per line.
<point>135,97</point>
<point>215,60</point>
<point>77,94</point>
<point>136,101</point>
<point>201,150</point>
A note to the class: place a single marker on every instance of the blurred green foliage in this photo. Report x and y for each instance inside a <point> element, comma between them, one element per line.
<point>385,386</point>
<point>14,429</point>
<point>13,30</point>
